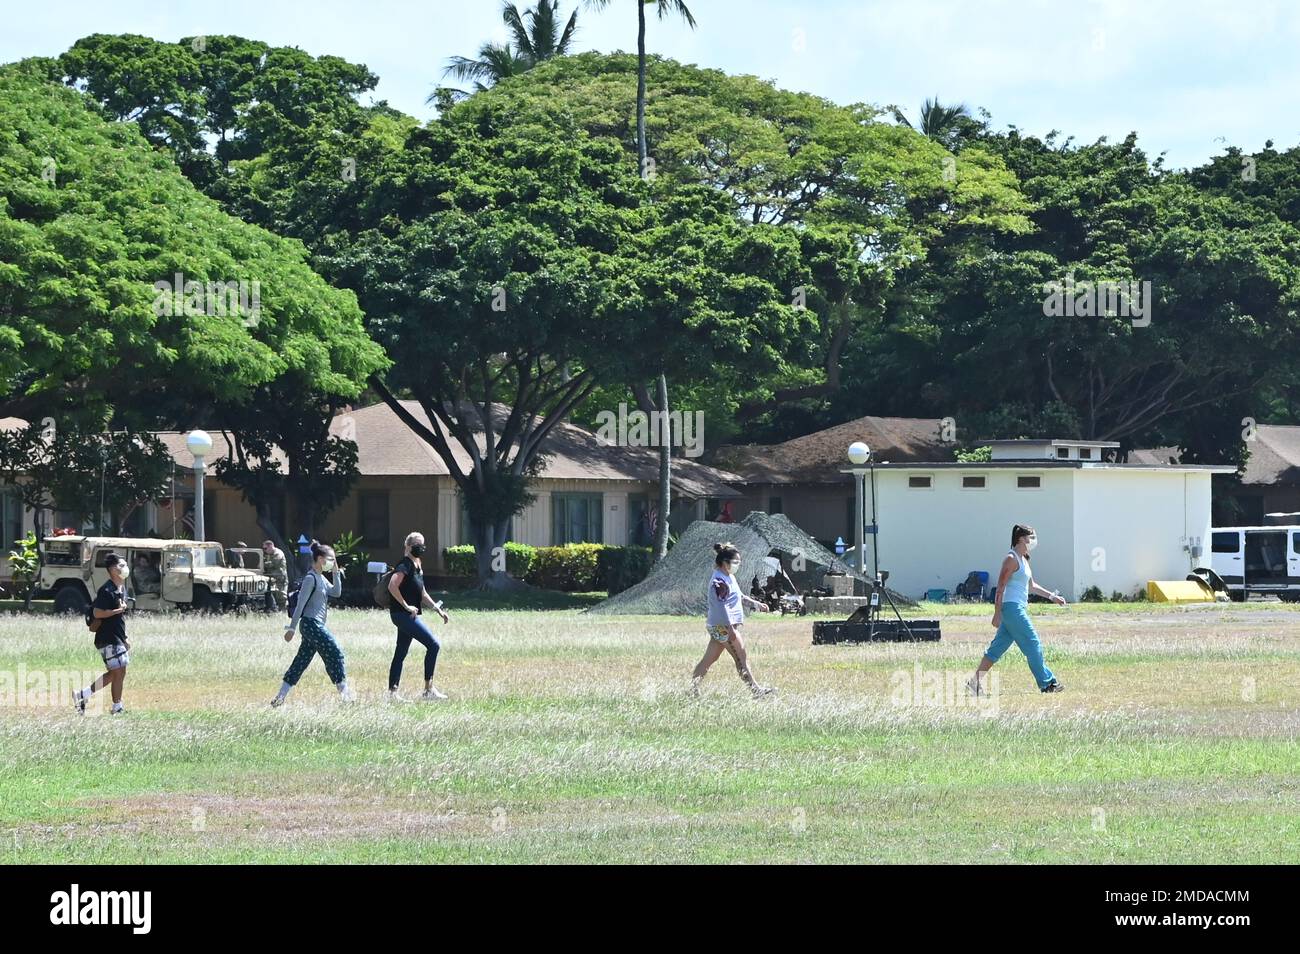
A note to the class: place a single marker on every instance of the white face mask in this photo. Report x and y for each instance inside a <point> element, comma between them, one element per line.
<point>329,565</point>
<point>1031,541</point>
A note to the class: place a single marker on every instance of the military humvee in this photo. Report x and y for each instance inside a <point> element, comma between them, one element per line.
<point>165,574</point>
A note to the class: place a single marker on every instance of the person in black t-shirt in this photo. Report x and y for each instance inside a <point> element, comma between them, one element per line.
<point>409,597</point>
<point>109,608</point>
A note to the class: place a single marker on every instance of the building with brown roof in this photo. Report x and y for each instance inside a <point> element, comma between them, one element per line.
<point>802,477</point>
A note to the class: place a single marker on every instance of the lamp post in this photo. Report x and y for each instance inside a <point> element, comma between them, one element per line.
<point>859,454</point>
<point>200,445</point>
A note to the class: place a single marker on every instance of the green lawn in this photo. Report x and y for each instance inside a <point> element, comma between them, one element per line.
<point>570,738</point>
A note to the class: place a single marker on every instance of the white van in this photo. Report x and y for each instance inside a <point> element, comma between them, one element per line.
<point>1257,560</point>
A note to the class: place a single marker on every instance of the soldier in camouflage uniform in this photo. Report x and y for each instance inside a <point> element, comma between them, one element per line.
<point>276,567</point>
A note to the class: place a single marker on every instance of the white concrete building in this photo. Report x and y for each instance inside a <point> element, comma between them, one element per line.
<point>1099,523</point>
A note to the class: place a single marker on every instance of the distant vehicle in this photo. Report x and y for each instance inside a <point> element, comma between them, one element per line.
<point>1257,560</point>
<point>165,574</point>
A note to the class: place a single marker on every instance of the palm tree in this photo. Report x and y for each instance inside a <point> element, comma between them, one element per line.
<point>944,124</point>
<point>535,36</point>
<point>664,8</point>
<point>644,401</point>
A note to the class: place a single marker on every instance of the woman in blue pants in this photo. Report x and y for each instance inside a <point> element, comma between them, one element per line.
<point>1011,616</point>
<point>406,586</point>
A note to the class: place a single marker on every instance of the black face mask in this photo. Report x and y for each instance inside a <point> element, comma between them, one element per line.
<point>417,550</point>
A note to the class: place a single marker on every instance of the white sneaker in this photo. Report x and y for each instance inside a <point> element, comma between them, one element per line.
<point>395,696</point>
<point>277,702</point>
<point>760,691</point>
<point>432,694</point>
<point>347,695</point>
<point>975,688</point>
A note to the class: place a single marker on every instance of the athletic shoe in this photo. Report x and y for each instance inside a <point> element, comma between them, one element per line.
<point>79,701</point>
<point>117,710</point>
<point>1053,686</point>
<point>277,702</point>
<point>975,688</point>
<point>433,695</point>
<point>760,691</point>
<point>395,696</point>
<point>347,695</point>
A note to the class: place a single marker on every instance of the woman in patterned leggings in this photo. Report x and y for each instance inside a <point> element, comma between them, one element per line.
<point>312,607</point>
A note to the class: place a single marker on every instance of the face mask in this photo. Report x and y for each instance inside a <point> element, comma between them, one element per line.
<point>1031,541</point>
<point>125,571</point>
<point>329,565</point>
<point>734,565</point>
<point>417,549</point>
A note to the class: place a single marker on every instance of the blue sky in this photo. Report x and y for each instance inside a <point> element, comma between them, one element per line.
<point>1188,75</point>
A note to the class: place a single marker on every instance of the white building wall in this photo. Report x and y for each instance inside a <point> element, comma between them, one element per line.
<point>931,539</point>
<point>1135,525</point>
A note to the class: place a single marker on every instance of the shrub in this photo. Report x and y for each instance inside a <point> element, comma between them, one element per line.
<point>621,567</point>
<point>1091,595</point>
<point>460,560</point>
<point>573,567</point>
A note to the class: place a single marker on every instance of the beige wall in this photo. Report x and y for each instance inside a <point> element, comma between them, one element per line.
<point>821,511</point>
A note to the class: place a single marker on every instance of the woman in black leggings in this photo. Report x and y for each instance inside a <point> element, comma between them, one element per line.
<point>409,598</point>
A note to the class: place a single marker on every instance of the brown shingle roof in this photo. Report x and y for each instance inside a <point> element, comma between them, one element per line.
<point>818,458</point>
<point>386,446</point>
<point>1274,455</point>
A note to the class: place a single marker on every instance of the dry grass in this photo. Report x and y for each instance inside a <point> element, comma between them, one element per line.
<point>572,738</point>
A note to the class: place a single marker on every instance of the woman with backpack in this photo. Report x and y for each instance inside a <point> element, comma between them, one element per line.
<point>311,604</point>
<point>409,597</point>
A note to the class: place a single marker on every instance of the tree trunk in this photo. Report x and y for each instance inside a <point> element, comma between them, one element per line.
<point>665,473</point>
<point>641,151</point>
<point>487,540</point>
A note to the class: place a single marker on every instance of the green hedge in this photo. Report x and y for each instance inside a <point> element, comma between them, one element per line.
<point>621,567</point>
<point>459,560</point>
<point>573,568</point>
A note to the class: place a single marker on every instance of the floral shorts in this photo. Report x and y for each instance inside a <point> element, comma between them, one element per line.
<point>719,632</point>
<point>115,656</point>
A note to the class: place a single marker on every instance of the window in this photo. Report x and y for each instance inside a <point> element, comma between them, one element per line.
<point>1025,482</point>
<point>972,483</point>
<point>1085,453</point>
<point>1227,543</point>
<point>919,483</point>
<point>11,518</point>
<point>1063,453</point>
<point>774,505</point>
<point>372,518</point>
<point>638,520</point>
<point>576,518</point>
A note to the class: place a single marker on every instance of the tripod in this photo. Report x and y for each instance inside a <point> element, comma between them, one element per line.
<point>877,585</point>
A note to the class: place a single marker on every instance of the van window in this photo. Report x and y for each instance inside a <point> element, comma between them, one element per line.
<point>1227,542</point>
<point>1295,543</point>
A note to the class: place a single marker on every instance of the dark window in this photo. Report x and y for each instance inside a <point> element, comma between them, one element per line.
<point>973,483</point>
<point>12,518</point>
<point>922,483</point>
<point>1295,543</point>
<point>1085,453</point>
<point>1063,452</point>
<point>372,518</point>
<point>638,520</point>
<point>576,518</point>
<point>1028,483</point>
<point>1226,542</point>
<point>774,505</point>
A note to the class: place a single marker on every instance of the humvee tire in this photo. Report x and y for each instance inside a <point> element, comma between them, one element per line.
<point>71,600</point>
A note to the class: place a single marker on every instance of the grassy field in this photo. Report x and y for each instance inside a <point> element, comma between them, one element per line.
<point>570,738</point>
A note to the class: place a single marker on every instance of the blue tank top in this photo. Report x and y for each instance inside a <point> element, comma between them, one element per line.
<point>1017,588</point>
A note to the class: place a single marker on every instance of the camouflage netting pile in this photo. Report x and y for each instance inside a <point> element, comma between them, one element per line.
<point>676,584</point>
